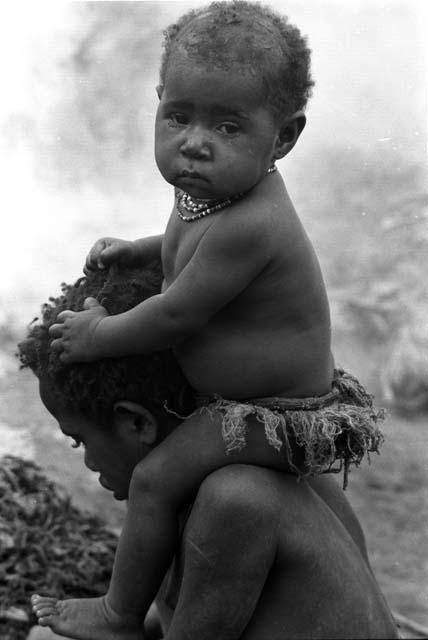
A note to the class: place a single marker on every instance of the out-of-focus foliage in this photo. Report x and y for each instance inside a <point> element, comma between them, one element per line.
<point>47,546</point>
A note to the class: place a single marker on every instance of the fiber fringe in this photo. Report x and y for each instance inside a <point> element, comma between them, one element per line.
<point>331,432</point>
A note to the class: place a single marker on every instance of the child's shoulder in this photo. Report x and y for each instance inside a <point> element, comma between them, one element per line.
<point>241,489</point>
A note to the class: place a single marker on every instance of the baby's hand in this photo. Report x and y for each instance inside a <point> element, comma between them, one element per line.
<point>75,333</point>
<point>107,251</point>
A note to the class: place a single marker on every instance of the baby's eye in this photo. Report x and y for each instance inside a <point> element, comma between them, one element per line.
<point>229,128</point>
<point>178,119</point>
<point>76,443</point>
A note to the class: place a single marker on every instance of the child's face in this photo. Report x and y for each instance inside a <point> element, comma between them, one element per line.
<point>215,135</point>
<point>107,451</point>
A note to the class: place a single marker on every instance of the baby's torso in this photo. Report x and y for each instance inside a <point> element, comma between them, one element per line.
<point>273,338</point>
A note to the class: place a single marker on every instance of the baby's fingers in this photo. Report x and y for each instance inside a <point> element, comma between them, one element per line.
<point>64,315</point>
<point>93,260</point>
<point>112,253</point>
<point>56,331</point>
<point>57,345</point>
<point>90,303</point>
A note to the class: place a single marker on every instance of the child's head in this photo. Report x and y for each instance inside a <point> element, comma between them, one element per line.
<point>92,389</point>
<point>245,37</point>
<point>234,81</point>
<point>116,407</point>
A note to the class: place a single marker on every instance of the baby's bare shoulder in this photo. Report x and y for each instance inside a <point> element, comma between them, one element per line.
<point>238,231</point>
<point>252,219</point>
<point>260,225</point>
<point>267,211</point>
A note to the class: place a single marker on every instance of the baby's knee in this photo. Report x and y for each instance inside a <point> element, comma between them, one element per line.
<point>149,478</point>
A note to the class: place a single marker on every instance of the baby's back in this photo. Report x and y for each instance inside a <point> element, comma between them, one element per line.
<point>273,337</point>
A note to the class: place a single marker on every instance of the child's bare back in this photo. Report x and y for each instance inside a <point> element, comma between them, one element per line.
<point>273,337</point>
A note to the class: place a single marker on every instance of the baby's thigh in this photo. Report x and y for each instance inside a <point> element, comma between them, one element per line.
<point>216,437</point>
<point>197,447</point>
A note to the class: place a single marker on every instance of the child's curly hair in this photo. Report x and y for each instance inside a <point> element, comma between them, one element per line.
<point>251,36</point>
<point>92,388</point>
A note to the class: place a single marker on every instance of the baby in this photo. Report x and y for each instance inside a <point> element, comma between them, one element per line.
<point>243,303</point>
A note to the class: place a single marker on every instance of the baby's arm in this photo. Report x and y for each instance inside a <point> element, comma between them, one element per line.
<point>228,258</point>
<point>107,251</point>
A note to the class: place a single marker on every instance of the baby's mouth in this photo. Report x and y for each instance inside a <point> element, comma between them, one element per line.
<point>194,175</point>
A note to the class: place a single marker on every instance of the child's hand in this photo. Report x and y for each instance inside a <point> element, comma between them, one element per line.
<point>75,333</point>
<point>107,251</point>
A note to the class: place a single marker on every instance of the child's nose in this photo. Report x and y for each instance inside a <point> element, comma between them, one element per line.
<point>89,462</point>
<point>195,144</point>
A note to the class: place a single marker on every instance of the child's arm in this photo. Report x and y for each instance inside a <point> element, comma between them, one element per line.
<point>107,251</point>
<point>228,258</point>
<point>230,546</point>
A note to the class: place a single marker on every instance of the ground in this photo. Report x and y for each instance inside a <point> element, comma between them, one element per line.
<point>389,495</point>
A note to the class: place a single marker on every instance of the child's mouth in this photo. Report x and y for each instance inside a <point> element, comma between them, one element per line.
<point>104,484</point>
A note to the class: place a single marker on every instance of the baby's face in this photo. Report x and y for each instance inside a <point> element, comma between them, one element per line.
<point>215,135</point>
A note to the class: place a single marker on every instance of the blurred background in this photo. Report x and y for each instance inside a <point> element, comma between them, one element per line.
<point>76,159</point>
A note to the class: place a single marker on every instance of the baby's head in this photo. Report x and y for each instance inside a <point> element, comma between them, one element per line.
<point>234,80</point>
<point>245,38</point>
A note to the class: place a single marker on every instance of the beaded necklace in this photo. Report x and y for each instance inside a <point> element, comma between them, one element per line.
<point>202,208</point>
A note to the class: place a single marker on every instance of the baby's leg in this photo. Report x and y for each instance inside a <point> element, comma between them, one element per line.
<point>162,484</point>
<point>87,619</point>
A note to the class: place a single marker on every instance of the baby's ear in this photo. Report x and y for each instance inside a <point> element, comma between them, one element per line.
<point>289,133</point>
<point>133,420</point>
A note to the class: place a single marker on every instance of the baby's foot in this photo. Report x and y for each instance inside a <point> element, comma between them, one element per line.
<point>88,619</point>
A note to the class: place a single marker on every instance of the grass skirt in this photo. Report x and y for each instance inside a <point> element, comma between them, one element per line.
<point>318,434</point>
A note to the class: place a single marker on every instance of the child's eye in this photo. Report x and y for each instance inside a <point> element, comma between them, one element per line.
<point>76,443</point>
<point>229,128</point>
<point>178,119</point>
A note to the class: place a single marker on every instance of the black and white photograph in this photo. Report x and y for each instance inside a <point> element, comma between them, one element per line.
<point>214,320</point>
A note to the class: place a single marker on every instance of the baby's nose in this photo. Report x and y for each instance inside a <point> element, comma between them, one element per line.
<point>195,145</point>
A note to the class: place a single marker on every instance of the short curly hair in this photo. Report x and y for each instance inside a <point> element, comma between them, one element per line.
<point>154,380</point>
<point>246,35</point>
